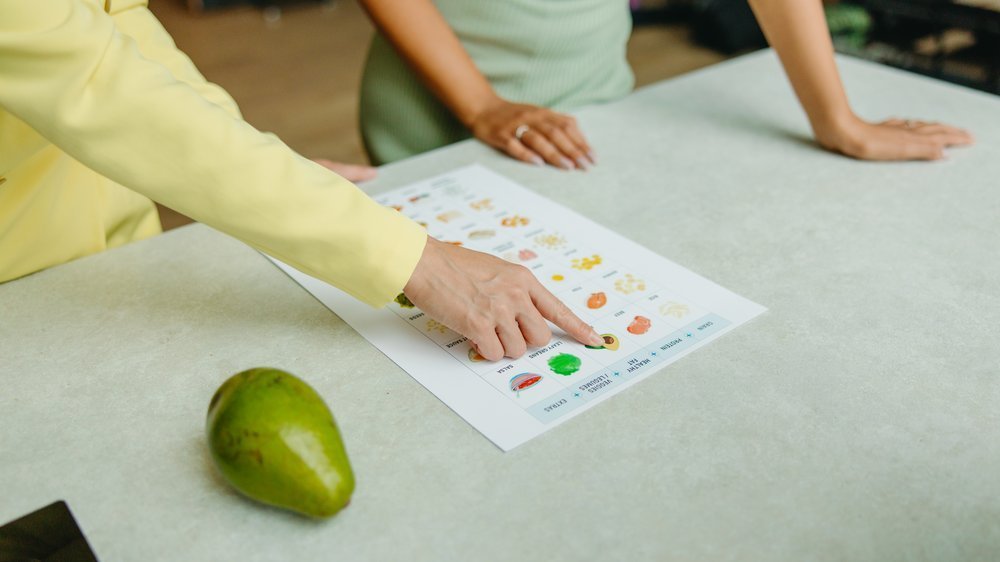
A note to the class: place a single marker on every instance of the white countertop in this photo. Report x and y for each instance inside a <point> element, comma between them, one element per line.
<point>857,420</point>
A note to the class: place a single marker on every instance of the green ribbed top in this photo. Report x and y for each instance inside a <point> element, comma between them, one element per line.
<point>561,54</point>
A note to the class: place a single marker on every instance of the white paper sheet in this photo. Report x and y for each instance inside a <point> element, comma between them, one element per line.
<point>654,310</point>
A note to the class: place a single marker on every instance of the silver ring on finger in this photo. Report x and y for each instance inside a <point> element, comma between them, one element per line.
<point>520,131</point>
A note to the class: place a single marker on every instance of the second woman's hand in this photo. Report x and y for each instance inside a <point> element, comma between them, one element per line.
<point>894,139</point>
<point>350,172</point>
<point>499,306</point>
<point>533,134</point>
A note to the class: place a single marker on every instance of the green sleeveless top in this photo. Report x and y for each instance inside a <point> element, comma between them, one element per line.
<point>560,54</point>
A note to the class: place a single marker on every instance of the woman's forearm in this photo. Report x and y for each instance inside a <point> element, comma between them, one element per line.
<point>423,38</point>
<point>797,31</point>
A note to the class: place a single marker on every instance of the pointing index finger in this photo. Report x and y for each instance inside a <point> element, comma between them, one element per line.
<point>553,310</point>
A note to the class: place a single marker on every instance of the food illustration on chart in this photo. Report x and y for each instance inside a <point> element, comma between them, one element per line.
<point>648,310</point>
<point>524,381</point>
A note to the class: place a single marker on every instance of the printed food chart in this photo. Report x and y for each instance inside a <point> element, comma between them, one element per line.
<point>649,310</point>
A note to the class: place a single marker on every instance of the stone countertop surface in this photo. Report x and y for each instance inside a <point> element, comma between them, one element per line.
<point>856,420</point>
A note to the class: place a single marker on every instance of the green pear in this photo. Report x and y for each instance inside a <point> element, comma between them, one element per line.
<point>274,439</point>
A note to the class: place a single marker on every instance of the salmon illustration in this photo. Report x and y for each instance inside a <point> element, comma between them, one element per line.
<point>639,326</point>
<point>597,300</point>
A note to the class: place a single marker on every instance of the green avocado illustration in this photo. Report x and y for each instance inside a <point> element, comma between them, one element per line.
<point>274,439</point>
<point>610,342</point>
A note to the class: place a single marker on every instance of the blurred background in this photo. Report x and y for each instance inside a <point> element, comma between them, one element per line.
<point>294,66</point>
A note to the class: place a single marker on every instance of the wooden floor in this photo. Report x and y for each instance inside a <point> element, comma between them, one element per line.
<point>298,76</point>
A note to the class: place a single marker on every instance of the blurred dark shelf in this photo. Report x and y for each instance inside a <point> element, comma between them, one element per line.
<point>885,31</point>
<point>899,24</point>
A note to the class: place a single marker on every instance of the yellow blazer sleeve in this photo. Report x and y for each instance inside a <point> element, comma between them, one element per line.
<point>133,18</point>
<point>70,74</point>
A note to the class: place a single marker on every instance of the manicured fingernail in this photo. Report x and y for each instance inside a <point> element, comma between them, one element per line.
<point>537,160</point>
<point>595,338</point>
<point>566,164</point>
<point>593,159</point>
<point>583,164</point>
